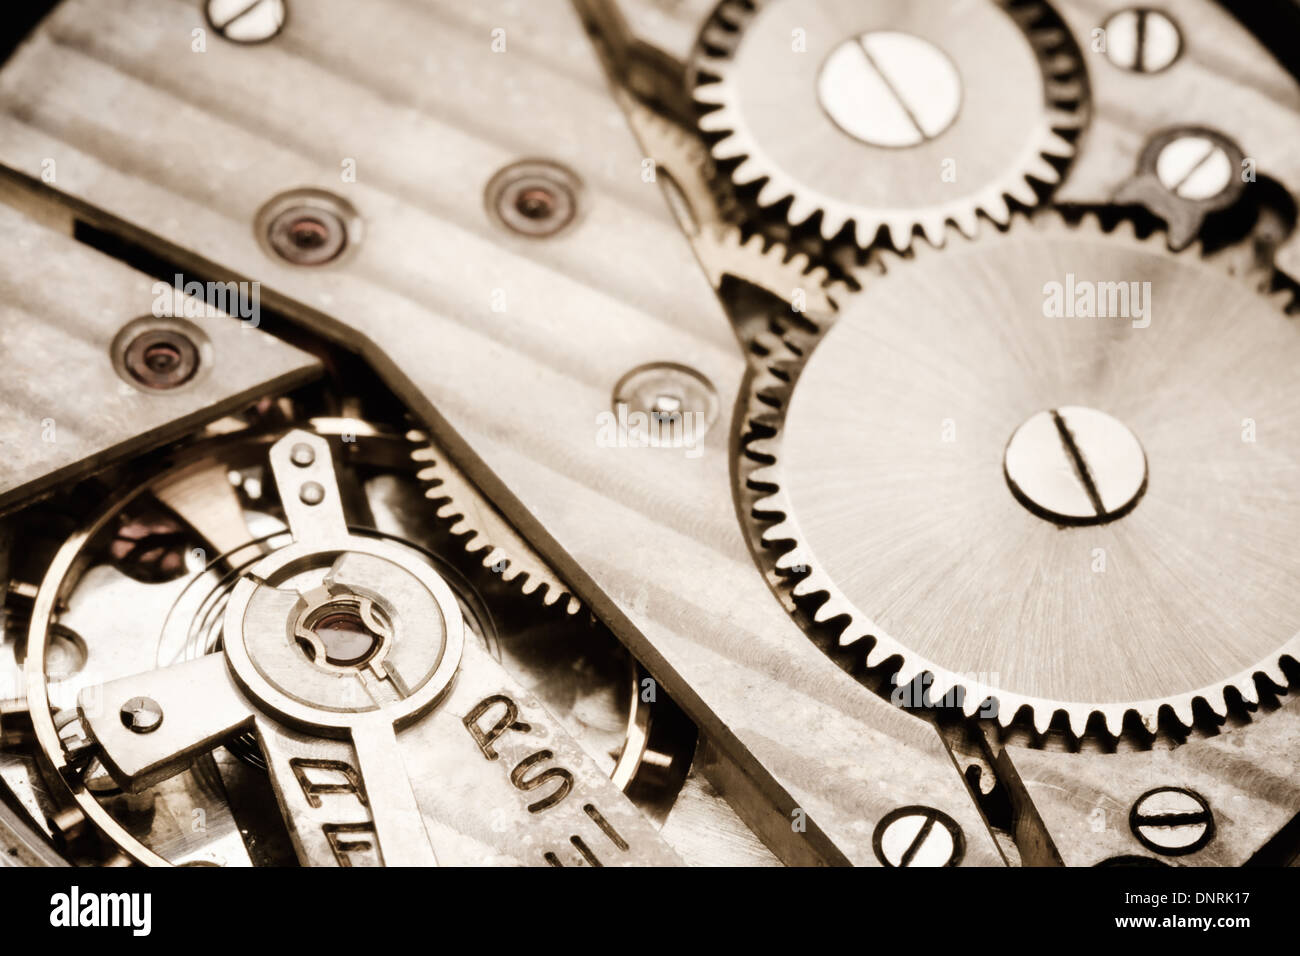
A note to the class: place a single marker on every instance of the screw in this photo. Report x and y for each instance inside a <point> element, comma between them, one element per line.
<point>534,198</point>
<point>918,836</point>
<point>307,235</point>
<point>142,715</point>
<point>246,21</point>
<point>888,88</point>
<point>1194,167</point>
<point>667,393</point>
<point>302,454</point>
<point>1075,465</point>
<point>1172,820</point>
<point>1142,40</point>
<point>1184,174</point>
<point>312,493</point>
<point>161,358</point>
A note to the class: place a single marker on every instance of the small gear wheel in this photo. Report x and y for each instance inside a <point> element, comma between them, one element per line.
<point>1052,469</point>
<point>894,115</point>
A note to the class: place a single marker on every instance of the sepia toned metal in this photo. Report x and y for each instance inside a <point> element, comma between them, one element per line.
<point>416,299</point>
<point>556,450</point>
<point>71,318</point>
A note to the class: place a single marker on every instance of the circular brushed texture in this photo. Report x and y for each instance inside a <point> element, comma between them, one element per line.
<point>892,113</point>
<point>891,458</point>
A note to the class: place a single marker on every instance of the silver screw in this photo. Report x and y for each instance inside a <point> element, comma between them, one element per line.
<point>889,88</point>
<point>918,836</point>
<point>668,393</point>
<point>536,197</point>
<point>246,21</point>
<point>1194,167</point>
<point>1172,821</point>
<point>302,454</point>
<point>1142,40</point>
<point>312,493</point>
<point>142,715</point>
<point>1075,465</point>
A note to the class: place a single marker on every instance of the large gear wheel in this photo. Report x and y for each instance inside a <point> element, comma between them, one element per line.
<point>896,115</point>
<point>1079,516</point>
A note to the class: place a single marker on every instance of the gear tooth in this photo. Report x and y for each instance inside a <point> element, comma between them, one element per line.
<point>783,531</point>
<point>747,172</point>
<point>1249,693</point>
<point>1044,172</point>
<point>1078,718</point>
<point>998,210</point>
<point>1025,15</point>
<point>825,612</point>
<point>710,94</point>
<point>1151,721</point>
<point>718,121</point>
<point>1005,714</point>
<point>804,587</point>
<point>801,210</point>
<point>1059,64</point>
<point>1042,719</point>
<point>736,14</point>
<point>1272,669</point>
<point>1064,89</point>
<point>1047,39</point>
<point>770,194</point>
<point>877,653</point>
<point>790,560</point>
<point>1125,229</point>
<point>935,231</point>
<point>967,223</point>
<point>719,38</point>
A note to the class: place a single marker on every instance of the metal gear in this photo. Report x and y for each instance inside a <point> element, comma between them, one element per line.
<point>945,484</point>
<point>710,220</point>
<point>896,115</point>
<point>483,530</point>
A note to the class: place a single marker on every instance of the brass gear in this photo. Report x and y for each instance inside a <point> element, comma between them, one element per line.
<point>484,532</point>
<point>888,534</point>
<point>1017,97</point>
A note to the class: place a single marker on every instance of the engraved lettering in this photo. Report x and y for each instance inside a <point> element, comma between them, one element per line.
<point>517,777</point>
<point>342,846</point>
<point>509,721</point>
<point>351,782</point>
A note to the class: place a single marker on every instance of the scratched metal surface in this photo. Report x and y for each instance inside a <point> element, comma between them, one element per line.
<point>63,408</point>
<point>1250,777</point>
<point>185,147</point>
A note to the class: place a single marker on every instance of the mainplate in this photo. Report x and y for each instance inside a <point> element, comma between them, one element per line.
<point>558,451</point>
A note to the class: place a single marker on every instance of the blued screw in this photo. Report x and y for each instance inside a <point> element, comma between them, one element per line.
<point>142,715</point>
